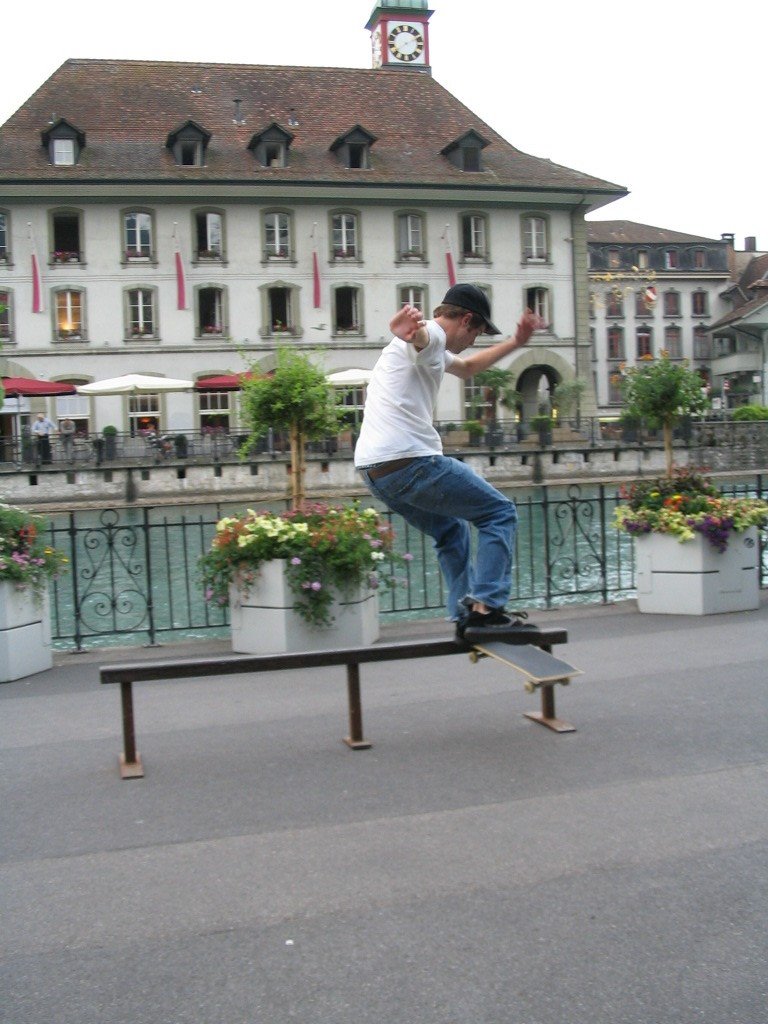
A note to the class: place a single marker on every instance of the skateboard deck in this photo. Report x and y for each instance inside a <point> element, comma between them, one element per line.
<point>537,665</point>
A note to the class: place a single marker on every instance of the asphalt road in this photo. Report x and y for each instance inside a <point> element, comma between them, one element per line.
<point>470,868</point>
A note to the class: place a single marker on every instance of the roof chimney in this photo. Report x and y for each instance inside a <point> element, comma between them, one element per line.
<point>728,238</point>
<point>750,243</point>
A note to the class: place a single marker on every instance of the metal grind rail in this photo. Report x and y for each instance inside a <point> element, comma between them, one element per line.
<point>125,676</point>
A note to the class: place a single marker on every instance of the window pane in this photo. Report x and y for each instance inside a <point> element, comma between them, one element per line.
<point>535,238</point>
<point>279,309</point>
<point>344,234</point>
<point>276,234</point>
<point>138,234</point>
<point>63,151</point>
<point>68,314</point>
<point>346,309</point>
<point>209,307</point>
<point>414,296</point>
<point>140,311</point>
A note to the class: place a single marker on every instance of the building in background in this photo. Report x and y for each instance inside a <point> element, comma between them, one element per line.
<point>655,290</point>
<point>184,219</point>
<point>740,337</point>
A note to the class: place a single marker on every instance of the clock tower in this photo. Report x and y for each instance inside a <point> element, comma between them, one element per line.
<point>400,35</point>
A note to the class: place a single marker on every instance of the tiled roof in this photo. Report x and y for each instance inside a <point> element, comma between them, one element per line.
<point>756,270</point>
<point>761,299</point>
<point>752,283</point>
<point>627,232</point>
<point>127,109</point>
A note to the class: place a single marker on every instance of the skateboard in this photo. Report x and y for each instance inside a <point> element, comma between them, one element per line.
<point>539,667</point>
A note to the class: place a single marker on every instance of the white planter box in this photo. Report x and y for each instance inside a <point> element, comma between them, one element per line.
<point>25,633</point>
<point>693,578</point>
<point>263,620</point>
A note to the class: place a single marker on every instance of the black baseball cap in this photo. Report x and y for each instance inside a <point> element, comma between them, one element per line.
<point>474,300</point>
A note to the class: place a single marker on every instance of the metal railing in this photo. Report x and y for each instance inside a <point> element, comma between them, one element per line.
<point>133,575</point>
<point>214,446</point>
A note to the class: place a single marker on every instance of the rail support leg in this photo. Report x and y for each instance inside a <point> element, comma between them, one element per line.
<point>130,760</point>
<point>355,739</point>
<point>547,714</point>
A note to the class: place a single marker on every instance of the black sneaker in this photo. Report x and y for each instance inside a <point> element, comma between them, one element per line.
<point>495,619</point>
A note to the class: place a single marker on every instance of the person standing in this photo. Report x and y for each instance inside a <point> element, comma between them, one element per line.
<point>399,451</point>
<point>42,429</point>
<point>67,430</point>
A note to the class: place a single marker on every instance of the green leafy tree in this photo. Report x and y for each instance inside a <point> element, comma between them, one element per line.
<point>499,386</point>
<point>661,392</point>
<point>295,398</point>
<point>567,394</point>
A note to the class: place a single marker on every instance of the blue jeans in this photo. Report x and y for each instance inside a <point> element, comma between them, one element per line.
<point>441,497</point>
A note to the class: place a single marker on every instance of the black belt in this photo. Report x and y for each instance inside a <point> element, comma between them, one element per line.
<point>388,467</point>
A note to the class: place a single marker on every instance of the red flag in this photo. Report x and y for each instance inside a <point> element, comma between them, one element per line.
<point>315,280</point>
<point>37,286</point>
<point>451,271</point>
<point>449,257</point>
<point>181,281</point>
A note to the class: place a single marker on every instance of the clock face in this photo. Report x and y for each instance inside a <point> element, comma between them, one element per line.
<point>405,41</point>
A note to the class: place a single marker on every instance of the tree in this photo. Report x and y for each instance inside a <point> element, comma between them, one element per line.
<point>567,394</point>
<point>499,386</point>
<point>295,398</point>
<point>661,392</point>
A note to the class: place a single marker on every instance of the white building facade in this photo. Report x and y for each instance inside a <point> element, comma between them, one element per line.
<point>186,220</point>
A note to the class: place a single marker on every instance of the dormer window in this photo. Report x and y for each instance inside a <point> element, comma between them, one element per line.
<point>189,144</point>
<point>466,152</point>
<point>64,143</point>
<point>270,146</point>
<point>354,149</point>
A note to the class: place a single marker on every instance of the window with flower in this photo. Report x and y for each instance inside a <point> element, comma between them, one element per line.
<point>210,311</point>
<point>138,235</point>
<point>141,320</point>
<point>277,235</point>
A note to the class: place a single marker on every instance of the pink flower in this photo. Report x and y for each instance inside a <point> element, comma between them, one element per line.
<point>317,585</point>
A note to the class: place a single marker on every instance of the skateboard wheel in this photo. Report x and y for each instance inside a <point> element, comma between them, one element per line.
<point>474,657</point>
<point>530,687</point>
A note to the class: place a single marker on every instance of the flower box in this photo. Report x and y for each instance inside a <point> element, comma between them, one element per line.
<point>692,577</point>
<point>25,632</point>
<point>263,619</point>
<point>305,579</point>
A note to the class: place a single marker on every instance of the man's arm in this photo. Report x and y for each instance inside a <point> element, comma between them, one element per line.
<point>467,366</point>
<point>408,325</point>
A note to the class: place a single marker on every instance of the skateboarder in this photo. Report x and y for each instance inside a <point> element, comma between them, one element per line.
<point>399,452</point>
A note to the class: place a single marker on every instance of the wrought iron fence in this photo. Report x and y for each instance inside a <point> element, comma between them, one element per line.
<point>134,571</point>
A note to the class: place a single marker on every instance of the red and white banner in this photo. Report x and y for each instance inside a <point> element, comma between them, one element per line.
<point>450,268</point>
<point>38,305</point>
<point>181,280</point>
<point>38,302</point>
<point>449,258</point>
<point>315,280</point>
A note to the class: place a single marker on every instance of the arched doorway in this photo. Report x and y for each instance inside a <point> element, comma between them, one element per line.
<point>535,386</point>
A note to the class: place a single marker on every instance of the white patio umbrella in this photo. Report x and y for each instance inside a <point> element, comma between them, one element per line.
<point>134,384</point>
<point>352,378</point>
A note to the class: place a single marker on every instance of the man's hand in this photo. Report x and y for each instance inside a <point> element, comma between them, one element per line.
<point>406,323</point>
<point>529,322</point>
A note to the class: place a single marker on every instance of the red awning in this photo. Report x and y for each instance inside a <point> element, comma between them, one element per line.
<point>222,382</point>
<point>30,387</point>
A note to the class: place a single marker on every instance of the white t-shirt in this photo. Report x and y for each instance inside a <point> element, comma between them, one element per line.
<point>397,422</point>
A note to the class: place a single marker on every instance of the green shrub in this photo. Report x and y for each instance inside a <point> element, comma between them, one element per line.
<point>750,412</point>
